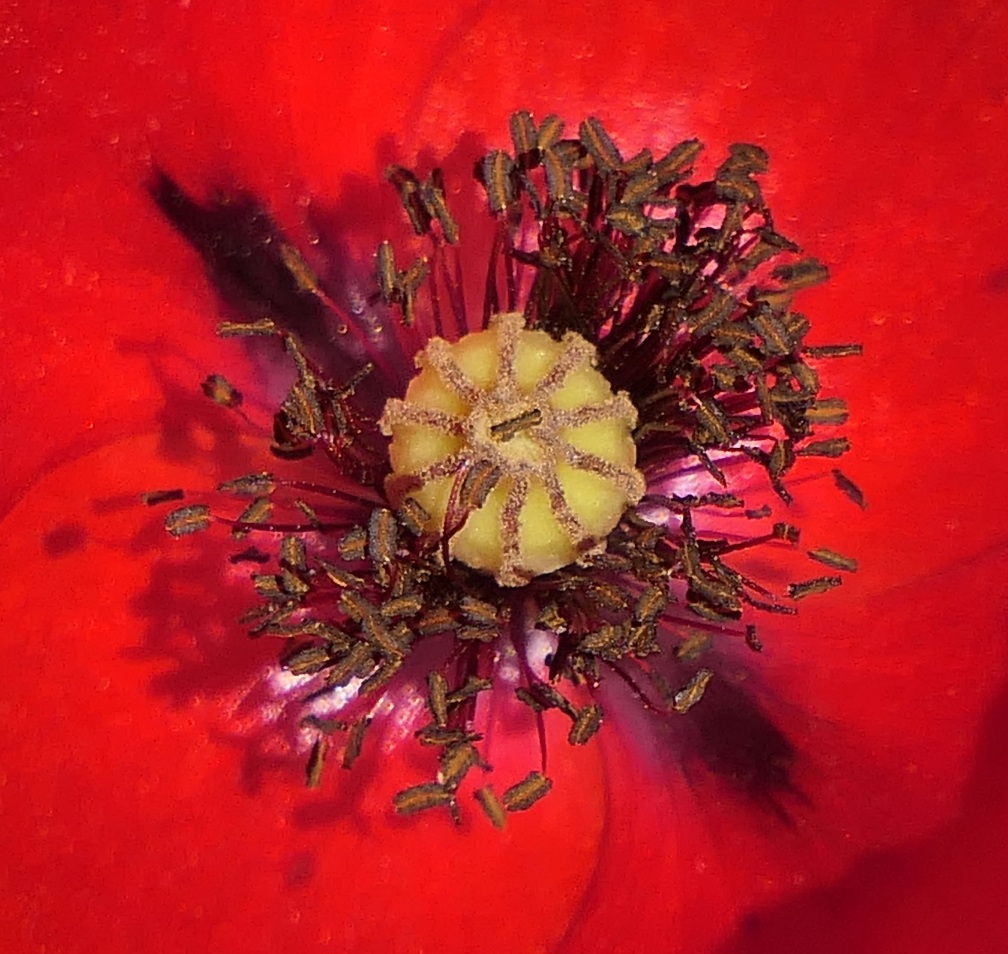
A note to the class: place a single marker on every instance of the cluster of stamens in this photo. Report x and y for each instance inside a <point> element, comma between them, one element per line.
<point>637,331</point>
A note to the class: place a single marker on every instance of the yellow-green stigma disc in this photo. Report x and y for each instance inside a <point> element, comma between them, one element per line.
<point>522,436</point>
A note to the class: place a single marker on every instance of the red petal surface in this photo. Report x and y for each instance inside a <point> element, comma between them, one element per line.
<point>142,804</point>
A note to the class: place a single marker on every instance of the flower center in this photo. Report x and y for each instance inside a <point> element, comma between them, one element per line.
<point>516,447</point>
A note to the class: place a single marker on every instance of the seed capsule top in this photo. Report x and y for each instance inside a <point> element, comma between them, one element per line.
<point>517,448</point>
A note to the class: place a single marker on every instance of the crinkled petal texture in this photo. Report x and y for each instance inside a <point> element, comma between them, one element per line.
<point>146,801</point>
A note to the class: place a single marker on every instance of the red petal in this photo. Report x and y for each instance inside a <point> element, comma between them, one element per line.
<point>136,809</point>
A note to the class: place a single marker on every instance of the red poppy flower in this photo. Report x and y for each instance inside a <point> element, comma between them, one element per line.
<point>144,802</point>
